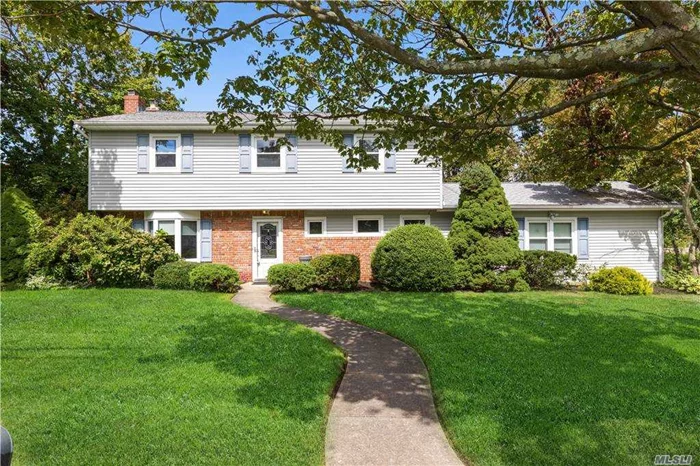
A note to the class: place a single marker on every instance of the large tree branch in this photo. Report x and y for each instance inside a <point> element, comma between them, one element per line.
<point>600,57</point>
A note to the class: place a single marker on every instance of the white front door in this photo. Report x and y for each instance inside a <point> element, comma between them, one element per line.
<point>267,246</point>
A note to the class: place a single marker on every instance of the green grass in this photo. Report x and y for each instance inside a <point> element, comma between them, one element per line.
<point>548,377</point>
<point>134,377</point>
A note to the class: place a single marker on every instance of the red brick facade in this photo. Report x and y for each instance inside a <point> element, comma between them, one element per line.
<point>232,241</point>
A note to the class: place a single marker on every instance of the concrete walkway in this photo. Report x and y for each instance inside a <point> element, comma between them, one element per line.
<point>383,413</point>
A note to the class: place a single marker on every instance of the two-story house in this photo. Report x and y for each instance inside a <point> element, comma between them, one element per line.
<point>238,199</point>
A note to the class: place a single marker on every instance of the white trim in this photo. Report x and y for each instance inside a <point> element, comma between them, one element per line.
<point>157,217</point>
<point>355,218</point>
<point>550,231</point>
<point>280,242</point>
<point>324,231</point>
<point>426,218</point>
<point>171,215</point>
<point>254,156</point>
<point>89,199</point>
<point>660,236</point>
<point>152,153</point>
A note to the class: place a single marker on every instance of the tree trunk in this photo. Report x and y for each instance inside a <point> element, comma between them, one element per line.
<point>686,196</point>
<point>676,253</point>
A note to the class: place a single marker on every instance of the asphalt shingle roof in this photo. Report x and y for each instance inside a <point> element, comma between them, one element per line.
<point>558,195</point>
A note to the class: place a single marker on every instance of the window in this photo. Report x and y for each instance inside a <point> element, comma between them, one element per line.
<point>188,241</point>
<point>315,226</point>
<point>415,220</point>
<point>368,225</point>
<point>367,143</point>
<point>269,154</point>
<point>538,236</point>
<point>551,235</point>
<point>181,234</point>
<point>165,152</point>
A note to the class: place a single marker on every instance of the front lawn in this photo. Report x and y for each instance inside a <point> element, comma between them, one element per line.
<point>548,377</point>
<point>134,377</point>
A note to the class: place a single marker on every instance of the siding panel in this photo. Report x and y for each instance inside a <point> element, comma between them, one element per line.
<point>217,185</point>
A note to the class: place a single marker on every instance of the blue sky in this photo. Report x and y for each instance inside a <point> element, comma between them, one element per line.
<point>227,62</point>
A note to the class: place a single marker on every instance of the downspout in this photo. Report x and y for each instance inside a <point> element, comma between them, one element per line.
<point>660,226</point>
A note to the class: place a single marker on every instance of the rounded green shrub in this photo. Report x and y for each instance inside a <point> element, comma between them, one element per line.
<point>548,269</point>
<point>484,235</point>
<point>413,258</point>
<point>214,277</point>
<point>99,251</point>
<point>292,277</point>
<point>20,226</point>
<point>619,280</point>
<point>174,276</point>
<point>339,272</point>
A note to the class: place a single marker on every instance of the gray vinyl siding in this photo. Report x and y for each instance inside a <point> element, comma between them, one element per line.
<point>339,223</point>
<point>215,183</point>
<point>619,238</point>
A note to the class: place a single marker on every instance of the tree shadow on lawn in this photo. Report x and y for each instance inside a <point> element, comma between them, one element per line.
<point>558,380</point>
<point>280,367</point>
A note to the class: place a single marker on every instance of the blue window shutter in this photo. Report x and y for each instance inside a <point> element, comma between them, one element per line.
<point>205,240</point>
<point>348,140</point>
<point>137,224</point>
<point>583,238</point>
<point>521,233</point>
<point>390,163</point>
<point>292,154</point>
<point>244,153</point>
<point>142,153</point>
<point>187,153</point>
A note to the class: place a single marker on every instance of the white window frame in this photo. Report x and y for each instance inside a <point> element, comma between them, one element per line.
<point>307,229</point>
<point>381,153</point>
<point>550,232</point>
<point>152,153</point>
<point>254,156</point>
<point>403,218</point>
<point>355,219</point>
<point>157,217</point>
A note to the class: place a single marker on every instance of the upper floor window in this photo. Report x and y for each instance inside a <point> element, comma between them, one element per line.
<point>551,235</point>
<point>165,152</point>
<point>269,155</point>
<point>373,152</point>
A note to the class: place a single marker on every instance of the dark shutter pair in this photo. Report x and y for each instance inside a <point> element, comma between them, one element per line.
<point>389,162</point>
<point>582,236</point>
<point>245,153</point>
<point>204,236</point>
<point>186,153</point>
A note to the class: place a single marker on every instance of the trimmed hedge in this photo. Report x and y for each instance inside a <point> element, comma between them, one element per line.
<point>548,269</point>
<point>620,280</point>
<point>174,276</point>
<point>413,258</point>
<point>214,277</point>
<point>292,277</point>
<point>99,251</point>
<point>20,227</point>
<point>337,271</point>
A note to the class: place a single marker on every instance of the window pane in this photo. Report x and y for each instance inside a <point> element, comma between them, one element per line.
<point>368,226</point>
<point>269,146</point>
<point>538,230</point>
<point>414,222</point>
<point>315,228</point>
<point>167,226</point>
<point>562,230</point>
<point>149,226</point>
<point>188,240</point>
<point>166,145</point>
<point>268,241</point>
<point>166,160</point>
<point>562,245</point>
<point>538,244</point>
<point>268,160</point>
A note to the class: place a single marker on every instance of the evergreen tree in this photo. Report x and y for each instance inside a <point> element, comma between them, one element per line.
<point>20,227</point>
<point>484,235</point>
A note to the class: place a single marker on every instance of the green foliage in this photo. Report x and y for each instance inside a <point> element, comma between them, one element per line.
<point>672,261</point>
<point>40,282</point>
<point>548,269</point>
<point>413,258</point>
<point>61,65</point>
<point>484,235</point>
<point>20,226</point>
<point>337,271</point>
<point>99,251</point>
<point>174,275</point>
<point>214,277</point>
<point>292,277</point>
<point>620,280</point>
<point>682,281</point>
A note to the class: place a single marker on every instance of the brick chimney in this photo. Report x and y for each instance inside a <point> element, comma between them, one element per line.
<point>133,103</point>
